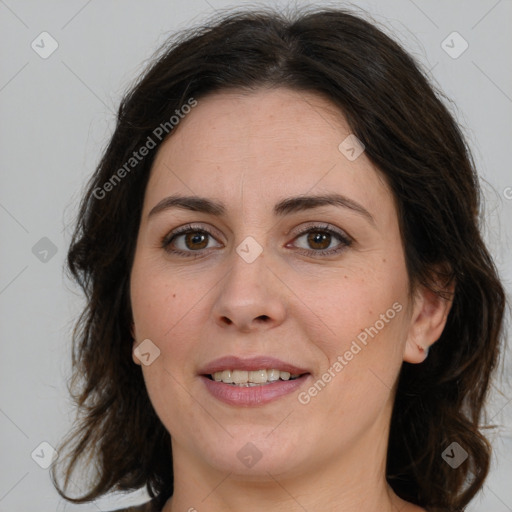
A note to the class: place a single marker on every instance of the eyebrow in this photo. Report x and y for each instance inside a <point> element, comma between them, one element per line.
<point>284,207</point>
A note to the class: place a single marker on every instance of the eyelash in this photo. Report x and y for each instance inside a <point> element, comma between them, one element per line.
<point>345,240</point>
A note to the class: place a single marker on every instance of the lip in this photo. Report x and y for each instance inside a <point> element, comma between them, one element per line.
<point>250,364</point>
<point>252,396</point>
<point>255,395</point>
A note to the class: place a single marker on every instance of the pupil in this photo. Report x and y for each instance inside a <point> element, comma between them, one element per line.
<point>195,239</point>
<point>317,240</point>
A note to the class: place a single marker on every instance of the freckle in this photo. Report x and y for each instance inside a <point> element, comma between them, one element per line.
<point>383,260</point>
<point>173,295</point>
<point>346,277</point>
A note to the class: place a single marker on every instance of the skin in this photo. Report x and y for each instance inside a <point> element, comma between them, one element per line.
<point>249,151</point>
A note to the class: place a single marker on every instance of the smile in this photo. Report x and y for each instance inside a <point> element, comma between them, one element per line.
<point>246,378</point>
<point>254,381</point>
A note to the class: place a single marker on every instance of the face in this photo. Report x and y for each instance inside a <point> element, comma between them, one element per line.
<point>286,256</point>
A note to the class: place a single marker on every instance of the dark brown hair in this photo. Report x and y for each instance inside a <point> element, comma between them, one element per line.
<point>414,141</point>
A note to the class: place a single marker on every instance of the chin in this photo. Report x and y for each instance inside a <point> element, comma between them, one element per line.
<point>253,454</point>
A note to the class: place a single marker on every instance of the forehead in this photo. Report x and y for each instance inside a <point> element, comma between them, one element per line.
<point>270,143</point>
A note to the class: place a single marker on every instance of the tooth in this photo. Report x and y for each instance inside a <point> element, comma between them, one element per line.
<point>251,378</point>
<point>240,376</point>
<point>258,376</point>
<point>273,375</point>
<point>227,376</point>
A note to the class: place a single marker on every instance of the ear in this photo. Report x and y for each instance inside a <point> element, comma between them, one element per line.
<point>430,312</point>
<point>134,344</point>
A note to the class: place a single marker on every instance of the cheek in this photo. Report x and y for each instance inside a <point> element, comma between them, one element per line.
<point>361,342</point>
<point>362,329</point>
<point>163,302</point>
<point>354,305</point>
<point>166,310</point>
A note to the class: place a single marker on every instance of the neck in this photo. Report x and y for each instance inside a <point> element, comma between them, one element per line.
<point>354,482</point>
<point>279,495</point>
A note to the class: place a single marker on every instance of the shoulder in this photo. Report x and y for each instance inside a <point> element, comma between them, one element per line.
<point>145,507</point>
<point>406,506</point>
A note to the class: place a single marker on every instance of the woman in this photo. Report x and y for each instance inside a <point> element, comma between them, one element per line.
<point>290,305</point>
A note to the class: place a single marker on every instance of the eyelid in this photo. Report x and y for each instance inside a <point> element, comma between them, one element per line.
<point>186,228</point>
<point>322,226</point>
<point>345,239</point>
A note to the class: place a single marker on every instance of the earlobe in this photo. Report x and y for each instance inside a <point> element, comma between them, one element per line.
<point>135,359</point>
<point>427,323</point>
<point>134,344</point>
<point>415,353</point>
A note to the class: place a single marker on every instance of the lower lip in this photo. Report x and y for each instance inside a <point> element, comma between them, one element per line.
<point>254,395</point>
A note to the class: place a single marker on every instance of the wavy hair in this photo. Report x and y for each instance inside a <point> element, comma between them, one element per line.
<point>416,144</point>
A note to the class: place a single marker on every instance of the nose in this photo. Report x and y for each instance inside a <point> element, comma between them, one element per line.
<point>251,297</point>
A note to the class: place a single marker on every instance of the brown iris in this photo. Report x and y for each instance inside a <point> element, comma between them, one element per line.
<point>196,237</point>
<point>317,238</point>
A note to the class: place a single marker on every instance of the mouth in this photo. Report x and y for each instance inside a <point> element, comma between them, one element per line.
<point>245,378</point>
<point>254,381</point>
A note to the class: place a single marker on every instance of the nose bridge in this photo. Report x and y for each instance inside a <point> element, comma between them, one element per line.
<point>248,271</point>
<point>250,293</point>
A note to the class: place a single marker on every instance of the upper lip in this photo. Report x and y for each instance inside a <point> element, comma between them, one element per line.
<point>250,364</point>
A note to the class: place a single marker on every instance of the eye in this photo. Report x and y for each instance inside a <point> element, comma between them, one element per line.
<point>322,240</point>
<point>188,240</point>
<point>316,240</point>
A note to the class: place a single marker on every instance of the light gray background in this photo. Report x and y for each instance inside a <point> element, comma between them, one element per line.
<point>56,117</point>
